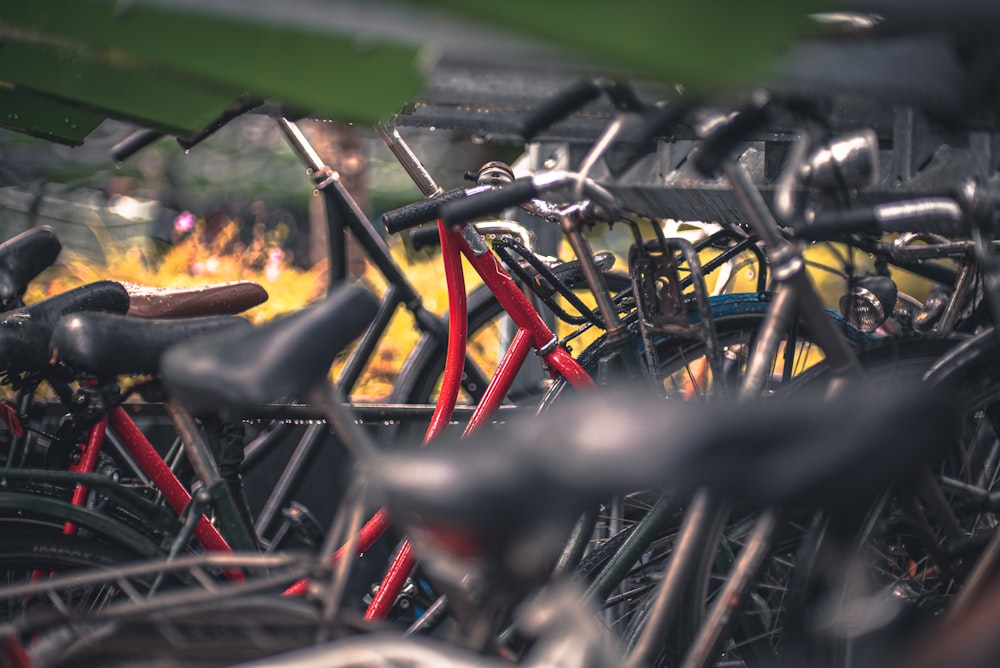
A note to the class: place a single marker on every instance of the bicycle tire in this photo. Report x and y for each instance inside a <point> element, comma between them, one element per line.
<point>29,549</point>
<point>737,319</point>
<point>48,513</point>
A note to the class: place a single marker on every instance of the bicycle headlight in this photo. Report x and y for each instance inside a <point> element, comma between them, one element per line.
<point>869,302</point>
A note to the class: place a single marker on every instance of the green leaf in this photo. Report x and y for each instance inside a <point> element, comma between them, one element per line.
<point>316,70</point>
<point>704,44</point>
<point>44,117</point>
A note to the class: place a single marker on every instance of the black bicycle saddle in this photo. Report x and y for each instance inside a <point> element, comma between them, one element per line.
<point>25,332</point>
<point>107,344</point>
<point>23,257</point>
<point>283,358</point>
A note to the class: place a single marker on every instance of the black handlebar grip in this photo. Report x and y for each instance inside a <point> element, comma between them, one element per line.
<point>936,215</point>
<point>134,143</point>
<point>834,224</point>
<point>425,236</point>
<point>458,213</point>
<point>560,106</point>
<point>418,213</point>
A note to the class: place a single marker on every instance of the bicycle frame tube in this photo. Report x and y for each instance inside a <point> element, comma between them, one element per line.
<point>789,269</point>
<point>509,365</point>
<point>447,398</point>
<point>153,465</point>
<point>452,246</point>
<point>532,332</point>
<point>87,464</point>
<point>343,213</point>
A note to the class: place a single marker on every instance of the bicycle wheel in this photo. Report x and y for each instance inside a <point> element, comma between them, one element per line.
<point>30,552</point>
<point>683,374</point>
<point>21,510</point>
<point>684,371</point>
<point>683,366</point>
<point>877,573</point>
<point>755,637</point>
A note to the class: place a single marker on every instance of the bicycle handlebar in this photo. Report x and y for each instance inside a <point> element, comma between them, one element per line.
<point>459,212</point>
<point>422,211</point>
<point>937,215</point>
<point>134,143</point>
<point>143,137</point>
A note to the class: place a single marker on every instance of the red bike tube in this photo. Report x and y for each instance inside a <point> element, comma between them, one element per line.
<point>392,583</point>
<point>507,292</point>
<point>447,398</point>
<point>532,332</point>
<point>367,536</point>
<point>87,464</point>
<point>500,384</point>
<point>173,491</point>
<point>561,362</point>
<point>452,246</point>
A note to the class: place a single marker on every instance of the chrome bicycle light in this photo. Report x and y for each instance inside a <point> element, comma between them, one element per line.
<point>869,302</point>
<point>850,161</point>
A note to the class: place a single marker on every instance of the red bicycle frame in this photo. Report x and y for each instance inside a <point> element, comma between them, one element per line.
<point>532,333</point>
<point>150,462</point>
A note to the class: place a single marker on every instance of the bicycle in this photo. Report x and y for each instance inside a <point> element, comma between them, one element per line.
<point>80,343</point>
<point>413,398</point>
<point>457,525</point>
<point>755,212</point>
<point>64,535</point>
